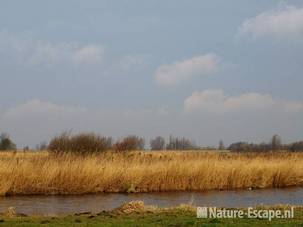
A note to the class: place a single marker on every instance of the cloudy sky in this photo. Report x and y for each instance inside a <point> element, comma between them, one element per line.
<point>208,70</point>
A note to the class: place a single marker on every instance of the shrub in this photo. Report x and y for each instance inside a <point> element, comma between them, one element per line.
<point>130,143</point>
<point>6,143</point>
<point>83,143</point>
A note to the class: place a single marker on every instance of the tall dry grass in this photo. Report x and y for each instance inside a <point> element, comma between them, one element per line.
<point>42,173</point>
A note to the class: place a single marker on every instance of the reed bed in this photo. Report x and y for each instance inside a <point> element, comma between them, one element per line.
<point>24,173</point>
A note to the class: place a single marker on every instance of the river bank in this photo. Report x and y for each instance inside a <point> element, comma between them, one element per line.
<point>136,214</point>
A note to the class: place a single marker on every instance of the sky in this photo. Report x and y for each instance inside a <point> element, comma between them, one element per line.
<point>207,70</point>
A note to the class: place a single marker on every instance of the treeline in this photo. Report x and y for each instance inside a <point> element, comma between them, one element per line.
<point>174,143</point>
<point>83,143</point>
<point>92,143</point>
<point>274,145</point>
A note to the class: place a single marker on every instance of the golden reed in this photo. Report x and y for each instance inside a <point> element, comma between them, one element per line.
<point>42,173</point>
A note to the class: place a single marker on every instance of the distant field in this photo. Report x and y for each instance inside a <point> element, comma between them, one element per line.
<point>41,173</point>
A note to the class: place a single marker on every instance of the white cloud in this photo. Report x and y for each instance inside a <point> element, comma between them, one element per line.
<point>38,107</point>
<point>64,58</point>
<point>215,101</point>
<point>131,61</point>
<point>32,52</point>
<point>173,74</point>
<point>285,22</point>
<point>91,54</point>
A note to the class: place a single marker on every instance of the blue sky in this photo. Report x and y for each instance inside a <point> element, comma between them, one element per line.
<point>208,70</point>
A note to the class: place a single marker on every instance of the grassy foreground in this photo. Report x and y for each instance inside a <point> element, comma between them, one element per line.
<point>133,215</point>
<point>41,173</point>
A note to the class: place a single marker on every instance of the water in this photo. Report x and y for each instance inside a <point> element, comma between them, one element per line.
<point>56,205</point>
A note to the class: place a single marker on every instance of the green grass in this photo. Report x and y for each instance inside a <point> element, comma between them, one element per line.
<point>171,218</point>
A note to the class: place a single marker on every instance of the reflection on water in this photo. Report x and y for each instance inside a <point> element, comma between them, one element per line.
<point>52,205</point>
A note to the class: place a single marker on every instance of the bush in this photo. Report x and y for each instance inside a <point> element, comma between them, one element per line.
<point>130,143</point>
<point>6,143</point>
<point>83,143</point>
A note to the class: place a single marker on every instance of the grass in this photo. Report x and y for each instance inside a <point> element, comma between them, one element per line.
<point>180,216</point>
<point>23,173</point>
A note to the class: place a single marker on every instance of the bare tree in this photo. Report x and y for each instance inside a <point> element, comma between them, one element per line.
<point>158,143</point>
<point>276,143</point>
<point>180,143</point>
<point>296,146</point>
<point>221,145</point>
<point>130,143</point>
